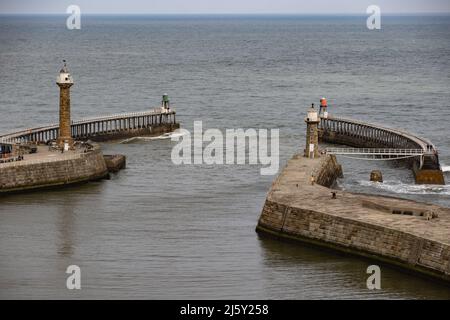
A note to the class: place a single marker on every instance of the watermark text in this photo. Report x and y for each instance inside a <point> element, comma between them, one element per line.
<point>236,146</point>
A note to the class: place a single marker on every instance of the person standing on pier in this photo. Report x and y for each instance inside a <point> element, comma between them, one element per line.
<point>323,107</point>
<point>166,102</point>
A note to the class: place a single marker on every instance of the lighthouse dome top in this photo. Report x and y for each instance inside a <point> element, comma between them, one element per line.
<point>64,76</point>
<point>312,115</point>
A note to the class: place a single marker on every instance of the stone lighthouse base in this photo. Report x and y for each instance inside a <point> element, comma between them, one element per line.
<point>47,169</point>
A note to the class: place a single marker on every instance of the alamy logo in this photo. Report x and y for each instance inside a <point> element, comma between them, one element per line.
<point>374,281</point>
<point>374,20</point>
<point>74,20</point>
<point>232,148</point>
<point>73,282</point>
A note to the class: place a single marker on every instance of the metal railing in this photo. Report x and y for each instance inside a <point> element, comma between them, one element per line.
<point>376,153</point>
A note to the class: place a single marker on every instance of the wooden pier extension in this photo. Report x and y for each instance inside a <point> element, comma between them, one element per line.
<point>426,167</point>
<point>112,127</point>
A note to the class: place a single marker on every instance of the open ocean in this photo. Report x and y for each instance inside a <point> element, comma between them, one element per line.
<point>160,231</point>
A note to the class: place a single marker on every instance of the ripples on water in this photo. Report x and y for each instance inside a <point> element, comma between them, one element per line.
<point>157,230</point>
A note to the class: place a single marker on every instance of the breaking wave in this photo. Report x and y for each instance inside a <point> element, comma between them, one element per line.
<point>402,188</point>
<point>164,136</point>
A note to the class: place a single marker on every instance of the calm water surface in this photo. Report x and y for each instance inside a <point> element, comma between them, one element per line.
<point>157,230</point>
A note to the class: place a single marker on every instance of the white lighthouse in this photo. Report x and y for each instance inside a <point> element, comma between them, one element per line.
<point>312,133</point>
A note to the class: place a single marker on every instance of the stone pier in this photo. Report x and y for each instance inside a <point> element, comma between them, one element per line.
<point>411,235</point>
<point>48,169</point>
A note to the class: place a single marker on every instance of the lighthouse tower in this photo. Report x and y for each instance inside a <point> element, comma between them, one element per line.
<point>312,134</point>
<point>64,82</point>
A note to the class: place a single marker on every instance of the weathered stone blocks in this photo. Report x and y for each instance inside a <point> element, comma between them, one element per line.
<point>290,212</point>
<point>80,167</point>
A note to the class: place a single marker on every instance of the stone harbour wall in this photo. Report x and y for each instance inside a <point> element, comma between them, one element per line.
<point>305,213</point>
<point>74,168</point>
<point>346,235</point>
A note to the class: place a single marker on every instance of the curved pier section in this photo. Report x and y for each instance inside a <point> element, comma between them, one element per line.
<point>408,234</point>
<point>120,126</point>
<point>426,167</point>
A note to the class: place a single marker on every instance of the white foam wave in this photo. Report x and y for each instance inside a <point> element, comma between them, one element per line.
<point>176,135</point>
<point>130,140</point>
<point>403,188</point>
<point>164,136</point>
<point>446,168</point>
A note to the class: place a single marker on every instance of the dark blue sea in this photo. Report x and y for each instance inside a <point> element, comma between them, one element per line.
<point>157,230</point>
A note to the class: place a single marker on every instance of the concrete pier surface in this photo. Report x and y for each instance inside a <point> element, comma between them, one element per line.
<point>412,235</point>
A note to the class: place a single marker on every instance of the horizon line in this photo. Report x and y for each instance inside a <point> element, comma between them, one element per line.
<point>228,13</point>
